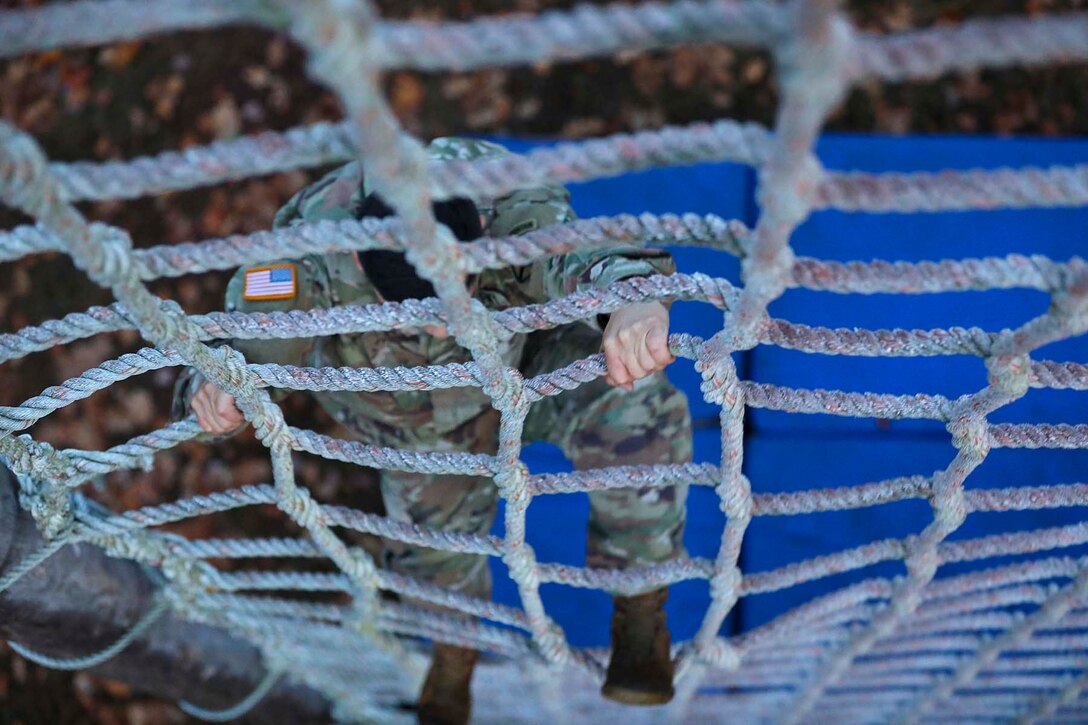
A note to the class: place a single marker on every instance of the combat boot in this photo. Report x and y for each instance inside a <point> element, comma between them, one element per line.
<point>640,671</point>
<point>446,698</point>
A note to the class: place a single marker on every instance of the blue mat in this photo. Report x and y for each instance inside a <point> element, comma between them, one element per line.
<point>793,452</point>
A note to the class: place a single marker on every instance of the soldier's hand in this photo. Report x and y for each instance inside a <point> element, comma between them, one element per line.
<point>215,409</point>
<point>636,343</point>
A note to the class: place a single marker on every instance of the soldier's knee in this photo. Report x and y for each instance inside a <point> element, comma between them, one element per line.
<point>655,402</point>
<point>672,404</point>
<point>650,424</point>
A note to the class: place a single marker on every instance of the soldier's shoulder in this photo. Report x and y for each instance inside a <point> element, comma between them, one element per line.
<point>459,148</point>
<point>338,193</point>
<point>530,209</point>
<point>334,196</point>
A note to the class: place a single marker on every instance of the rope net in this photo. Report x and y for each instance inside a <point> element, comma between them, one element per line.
<point>878,650</point>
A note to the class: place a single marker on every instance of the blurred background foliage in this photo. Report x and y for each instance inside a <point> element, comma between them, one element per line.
<point>191,88</point>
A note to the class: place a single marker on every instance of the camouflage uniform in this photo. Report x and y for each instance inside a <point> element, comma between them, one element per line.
<point>595,425</point>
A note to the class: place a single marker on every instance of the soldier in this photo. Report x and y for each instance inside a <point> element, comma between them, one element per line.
<point>634,416</point>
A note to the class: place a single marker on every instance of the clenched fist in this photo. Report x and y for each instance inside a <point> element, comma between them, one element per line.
<point>215,409</point>
<point>636,343</point>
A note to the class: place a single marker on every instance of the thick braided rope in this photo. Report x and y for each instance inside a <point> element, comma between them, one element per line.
<point>810,72</point>
<point>25,182</point>
<point>1057,186</point>
<point>584,31</point>
<point>27,185</point>
<point>108,529</point>
<point>816,57</point>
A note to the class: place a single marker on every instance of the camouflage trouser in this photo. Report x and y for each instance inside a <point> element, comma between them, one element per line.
<point>596,426</point>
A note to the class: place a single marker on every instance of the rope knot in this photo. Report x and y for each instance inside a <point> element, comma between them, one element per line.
<point>522,564</point>
<point>127,545</point>
<point>302,509</point>
<point>736,500</point>
<point>24,173</point>
<point>1011,374</point>
<point>266,417</point>
<point>718,653</point>
<point>269,423</point>
<point>362,570</point>
<point>715,364</point>
<point>725,585</point>
<point>949,501</point>
<point>514,485</point>
<point>1073,294</point>
<point>509,394</point>
<point>971,435</point>
<point>40,461</point>
<point>50,505</point>
<point>235,366</point>
<point>112,256</point>
<point>190,578</point>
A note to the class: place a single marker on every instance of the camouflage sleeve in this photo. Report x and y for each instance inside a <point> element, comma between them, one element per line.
<point>243,295</point>
<point>334,196</point>
<point>331,197</point>
<point>257,289</point>
<point>565,274</point>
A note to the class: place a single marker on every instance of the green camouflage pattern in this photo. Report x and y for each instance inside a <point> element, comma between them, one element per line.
<point>595,425</point>
<point>418,419</point>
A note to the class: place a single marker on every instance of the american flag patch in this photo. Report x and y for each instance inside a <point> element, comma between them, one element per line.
<point>270,283</point>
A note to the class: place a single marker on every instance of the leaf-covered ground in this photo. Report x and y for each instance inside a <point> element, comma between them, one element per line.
<point>191,88</point>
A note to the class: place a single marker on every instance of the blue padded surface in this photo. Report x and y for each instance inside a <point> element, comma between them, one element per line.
<point>556,526</point>
<point>793,452</point>
<point>1057,233</point>
<point>798,461</point>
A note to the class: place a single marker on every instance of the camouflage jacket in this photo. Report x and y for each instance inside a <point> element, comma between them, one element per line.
<point>417,418</point>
